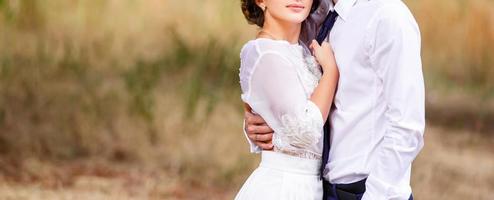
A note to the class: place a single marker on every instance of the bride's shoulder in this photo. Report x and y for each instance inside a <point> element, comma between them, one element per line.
<point>247,49</point>
<point>255,48</point>
<point>258,49</point>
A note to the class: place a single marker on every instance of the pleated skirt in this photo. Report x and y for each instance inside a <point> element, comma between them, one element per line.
<point>281,176</point>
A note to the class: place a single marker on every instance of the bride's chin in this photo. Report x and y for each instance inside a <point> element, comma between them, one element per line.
<point>291,19</point>
<point>297,19</point>
<point>294,20</point>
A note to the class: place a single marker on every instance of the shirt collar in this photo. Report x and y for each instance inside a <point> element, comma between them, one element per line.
<point>342,7</point>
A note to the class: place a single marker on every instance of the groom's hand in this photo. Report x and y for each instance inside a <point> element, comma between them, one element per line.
<point>257,130</point>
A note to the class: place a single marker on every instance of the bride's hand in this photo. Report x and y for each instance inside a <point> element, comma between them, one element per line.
<point>324,55</point>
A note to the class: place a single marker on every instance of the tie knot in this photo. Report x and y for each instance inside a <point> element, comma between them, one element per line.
<point>327,26</point>
<point>332,14</point>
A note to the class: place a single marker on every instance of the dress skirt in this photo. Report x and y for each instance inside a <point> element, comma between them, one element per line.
<point>281,176</point>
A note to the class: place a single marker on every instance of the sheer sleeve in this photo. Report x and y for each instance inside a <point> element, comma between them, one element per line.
<point>277,94</point>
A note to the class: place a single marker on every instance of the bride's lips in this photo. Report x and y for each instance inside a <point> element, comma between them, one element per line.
<point>296,7</point>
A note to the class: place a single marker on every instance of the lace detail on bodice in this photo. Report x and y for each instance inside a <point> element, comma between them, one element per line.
<point>300,133</point>
<point>311,74</point>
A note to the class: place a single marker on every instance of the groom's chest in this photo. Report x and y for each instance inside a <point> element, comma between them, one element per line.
<point>350,36</point>
<point>351,44</point>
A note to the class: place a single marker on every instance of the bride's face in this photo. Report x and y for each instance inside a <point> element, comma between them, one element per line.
<point>291,11</point>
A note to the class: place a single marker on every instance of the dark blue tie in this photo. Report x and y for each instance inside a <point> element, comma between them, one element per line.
<point>323,33</point>
<point>327,26</point>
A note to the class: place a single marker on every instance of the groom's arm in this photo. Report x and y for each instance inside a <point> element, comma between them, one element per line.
<point>395,56</point>
<point>258,133</point>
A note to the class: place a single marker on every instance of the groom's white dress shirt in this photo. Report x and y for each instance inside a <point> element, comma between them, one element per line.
<point>378,124</point>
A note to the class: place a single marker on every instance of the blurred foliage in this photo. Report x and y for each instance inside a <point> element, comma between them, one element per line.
<point>457,43</point>
<point>5,10</point>
<point>126,80</point>
<point>61,85</point>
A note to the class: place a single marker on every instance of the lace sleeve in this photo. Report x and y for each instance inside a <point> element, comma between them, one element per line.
<point>277,94</point>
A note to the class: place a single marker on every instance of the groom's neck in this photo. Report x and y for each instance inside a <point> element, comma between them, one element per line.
<point>335,1</point>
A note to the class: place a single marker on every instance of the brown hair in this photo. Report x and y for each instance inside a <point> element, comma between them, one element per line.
<point>255,15</point>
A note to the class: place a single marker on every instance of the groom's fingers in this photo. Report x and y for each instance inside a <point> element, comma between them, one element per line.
<point>260,133</point>
<point>262,129</point>
<point>265,146</point>
<point>252,119</point>
<point>264,137</point>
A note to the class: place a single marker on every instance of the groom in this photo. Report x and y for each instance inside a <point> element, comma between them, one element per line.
<point>376,128</point>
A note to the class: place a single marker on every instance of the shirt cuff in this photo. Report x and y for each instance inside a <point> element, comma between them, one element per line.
<point>377,189</point>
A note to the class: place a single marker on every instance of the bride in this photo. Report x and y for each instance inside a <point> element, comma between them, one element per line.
<point>281,81</point>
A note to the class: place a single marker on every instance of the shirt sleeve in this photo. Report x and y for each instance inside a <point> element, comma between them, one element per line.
<point>277,94</point>
<point>395,56</point>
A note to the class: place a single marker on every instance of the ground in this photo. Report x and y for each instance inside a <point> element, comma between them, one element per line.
<point>452,165</point>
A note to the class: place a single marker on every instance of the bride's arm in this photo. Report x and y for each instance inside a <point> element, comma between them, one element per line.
<point>278,95</point>
<point>324,93</point>
<point>258,132</point>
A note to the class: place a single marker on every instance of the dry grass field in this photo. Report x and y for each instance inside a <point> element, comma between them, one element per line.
<point>123,99</point>
<point>453,165</point>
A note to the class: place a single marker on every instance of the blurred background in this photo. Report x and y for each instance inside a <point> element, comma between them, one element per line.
<point>128,99</point>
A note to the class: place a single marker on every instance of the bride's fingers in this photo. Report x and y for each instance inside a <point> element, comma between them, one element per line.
<point>314,44</point>
<point>325,44</point>
<point>311,50</point>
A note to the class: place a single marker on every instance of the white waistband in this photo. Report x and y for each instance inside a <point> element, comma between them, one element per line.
<point>289,163</point>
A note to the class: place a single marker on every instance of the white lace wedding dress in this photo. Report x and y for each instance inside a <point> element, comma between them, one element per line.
<point>277,79</point>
